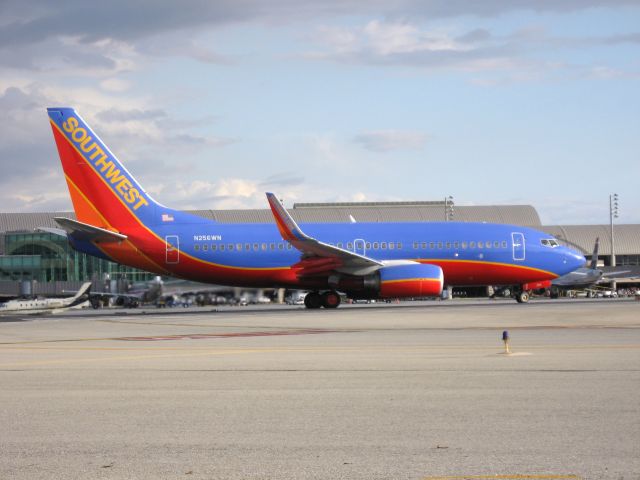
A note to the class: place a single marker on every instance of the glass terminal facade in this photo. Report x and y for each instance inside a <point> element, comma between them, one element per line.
<point>46,257</point>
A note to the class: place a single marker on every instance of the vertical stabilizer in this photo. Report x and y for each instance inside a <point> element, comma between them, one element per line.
<point>102,190</point>
<point>594,256</point>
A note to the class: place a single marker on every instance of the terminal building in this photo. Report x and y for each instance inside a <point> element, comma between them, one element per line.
<point>33,261</point>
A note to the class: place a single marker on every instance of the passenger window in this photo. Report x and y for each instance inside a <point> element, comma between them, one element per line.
<point>213,247</point>
<point>496,244</point>
<point>368,246</point>
<point>398,245</point>
<point>456,245</point>
<point>196,247</point>
<point>423,245</point>
<point>350,246</point>
<point>255,246</point>
<point>464,245</point>
<point>339,245</point>
<point>488,244</point>
<point>280,246</point>
<point>239,246</point>
<point>247,246</point>
<point>440,245</point>
<point>415,245</point>
<point>375,245</point>
<point>288,246</point>
<point>504,244</point>
<point>432,245</point>
<point>383,245</point>
<point>263,247</point>
<point>230,246</point>
<point>391,246</point>
<point>222,247</point>
<point>205,247</point>
<point>472,244</point>
<point>272,246</point>
<point>448,245</point>
<point>480,245</point>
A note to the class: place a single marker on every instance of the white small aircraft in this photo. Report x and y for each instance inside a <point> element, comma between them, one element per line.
<point>41,305</point>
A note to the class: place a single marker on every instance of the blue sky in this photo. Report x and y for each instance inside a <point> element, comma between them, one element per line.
<point>210,104</point>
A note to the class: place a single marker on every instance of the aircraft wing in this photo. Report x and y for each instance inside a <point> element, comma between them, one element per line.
<point>88,232</point>
<point>318,257</point>
<point>619,274</point>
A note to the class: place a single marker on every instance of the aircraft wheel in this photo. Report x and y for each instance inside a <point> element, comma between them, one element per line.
<point>522,297</point>
<point>330,299</point>
<point>313,300</point>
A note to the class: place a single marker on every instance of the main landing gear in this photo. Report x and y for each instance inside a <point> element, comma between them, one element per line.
<point>522,296</point>
<point>330,299</point>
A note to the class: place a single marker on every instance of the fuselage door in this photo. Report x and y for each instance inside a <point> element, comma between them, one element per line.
<point>518,246</point>
<point>172,252</point>
<point>359,247</point>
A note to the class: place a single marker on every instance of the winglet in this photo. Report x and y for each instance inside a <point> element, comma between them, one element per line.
<point>286,224</point>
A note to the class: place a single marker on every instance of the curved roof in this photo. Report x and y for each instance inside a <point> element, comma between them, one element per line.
<point>583,237</point>
<point>524,215</point>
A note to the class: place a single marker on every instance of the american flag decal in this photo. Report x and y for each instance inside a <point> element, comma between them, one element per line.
<point>167,217</point>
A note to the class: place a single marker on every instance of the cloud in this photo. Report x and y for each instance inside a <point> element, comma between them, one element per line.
<point>390,140</point>
<point>119,115</point>
<point>115,85</point>
<point>282,180</point>
<point>39,20</point>
<point>29,160</point>
<point>380,43</point>
<point>506,58</point>
<point>39,34</point>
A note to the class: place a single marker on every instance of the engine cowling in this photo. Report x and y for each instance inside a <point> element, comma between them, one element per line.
<point>417,280</point>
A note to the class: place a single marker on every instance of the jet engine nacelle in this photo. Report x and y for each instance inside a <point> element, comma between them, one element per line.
<point>419,280</point>
<point>393,281</point>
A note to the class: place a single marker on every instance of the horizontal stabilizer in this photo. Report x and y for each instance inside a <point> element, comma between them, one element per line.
<point>53,231</point>
<point>88,232</point>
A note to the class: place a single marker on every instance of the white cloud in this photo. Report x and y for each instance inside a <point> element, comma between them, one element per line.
<point>127,124</point>
<point>115,85</point>
<point>389,140</point>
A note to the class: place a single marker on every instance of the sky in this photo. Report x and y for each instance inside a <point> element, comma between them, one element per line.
<point>210,104</point>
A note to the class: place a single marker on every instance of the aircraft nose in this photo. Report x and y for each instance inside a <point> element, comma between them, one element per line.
<point>573,260</point>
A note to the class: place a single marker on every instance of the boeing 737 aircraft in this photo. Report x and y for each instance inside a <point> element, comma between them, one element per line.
<point>119,221</point>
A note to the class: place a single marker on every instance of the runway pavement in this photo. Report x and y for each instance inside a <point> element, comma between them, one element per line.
<point>412,391</point>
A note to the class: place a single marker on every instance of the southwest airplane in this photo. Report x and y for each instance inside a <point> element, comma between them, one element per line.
<point>119,221</point>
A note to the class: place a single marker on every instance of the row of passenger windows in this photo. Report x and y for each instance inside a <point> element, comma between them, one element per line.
<point>239,246</point>
<point>368,246</point>
<point>458,245</point>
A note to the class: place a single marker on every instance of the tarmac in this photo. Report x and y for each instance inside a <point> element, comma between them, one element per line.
<point>409,391</point>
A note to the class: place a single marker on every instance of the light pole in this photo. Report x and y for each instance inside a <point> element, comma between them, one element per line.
<point>448,208</point>
<point>613,213</point>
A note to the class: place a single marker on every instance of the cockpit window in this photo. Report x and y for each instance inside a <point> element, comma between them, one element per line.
<point>549,242</point>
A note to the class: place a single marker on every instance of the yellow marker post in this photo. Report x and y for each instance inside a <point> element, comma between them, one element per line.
<point>505,339</point>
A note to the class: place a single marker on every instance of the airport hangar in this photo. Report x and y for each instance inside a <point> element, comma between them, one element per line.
<point>36,262</point>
